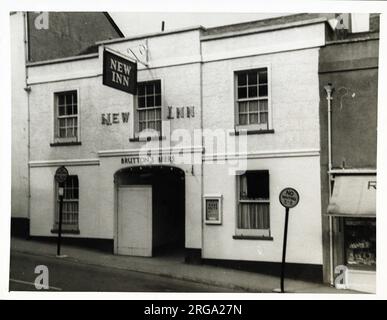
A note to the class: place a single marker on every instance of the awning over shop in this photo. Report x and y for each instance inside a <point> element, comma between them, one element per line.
<point>353,196</point>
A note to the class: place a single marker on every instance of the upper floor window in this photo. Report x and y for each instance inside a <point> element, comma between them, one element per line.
<point>254,204</point>
<point>149,105</point>
<point>66,116</point>
<point>252,101</point>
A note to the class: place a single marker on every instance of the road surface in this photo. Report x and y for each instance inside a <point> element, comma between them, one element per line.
<point>65,275</point>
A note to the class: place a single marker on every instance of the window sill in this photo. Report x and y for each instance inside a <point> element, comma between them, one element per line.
<point>360,268</point>
<point>241,237</point>
<point>63,144</point>
<point>145,139</point>
<point>66,231</point>
<point>237,132</point>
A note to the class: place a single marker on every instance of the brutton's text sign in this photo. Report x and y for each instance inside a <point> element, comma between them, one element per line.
<point>119,73</point>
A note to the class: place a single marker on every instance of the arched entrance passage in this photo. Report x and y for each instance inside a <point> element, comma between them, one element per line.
<point>150,218</point>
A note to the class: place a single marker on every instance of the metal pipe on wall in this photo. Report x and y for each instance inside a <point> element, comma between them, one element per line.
<point>329,90</point>
<point>28,90</point>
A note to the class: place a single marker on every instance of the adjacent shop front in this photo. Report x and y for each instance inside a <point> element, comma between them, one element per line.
<point>353,208</point>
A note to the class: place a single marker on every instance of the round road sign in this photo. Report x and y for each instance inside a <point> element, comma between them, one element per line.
<point>289,197</point>
<point>61,174</point>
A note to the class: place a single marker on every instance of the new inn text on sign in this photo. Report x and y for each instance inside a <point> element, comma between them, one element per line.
<point>119,73</point>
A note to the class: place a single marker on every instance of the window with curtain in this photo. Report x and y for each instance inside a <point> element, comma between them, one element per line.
<point>254,204</point>
<point>70,211</point>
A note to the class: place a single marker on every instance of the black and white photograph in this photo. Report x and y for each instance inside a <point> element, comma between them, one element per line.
<point>181,152</point>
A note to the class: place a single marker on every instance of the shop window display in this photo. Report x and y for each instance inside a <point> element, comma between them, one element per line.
<point>360,243</point>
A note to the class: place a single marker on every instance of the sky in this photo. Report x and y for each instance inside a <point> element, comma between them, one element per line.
<point>147,22</point>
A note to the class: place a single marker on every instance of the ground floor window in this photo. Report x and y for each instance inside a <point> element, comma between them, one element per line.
<point>70,210</point>
<point>253,204</point>
<point>360,242</point>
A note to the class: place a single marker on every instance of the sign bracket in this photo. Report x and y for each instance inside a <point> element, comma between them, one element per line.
<point>142,47</point>
<point>119,53</point>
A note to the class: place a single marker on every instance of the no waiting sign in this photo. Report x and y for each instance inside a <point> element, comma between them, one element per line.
<point>289,197</point>
<point>61,174</point>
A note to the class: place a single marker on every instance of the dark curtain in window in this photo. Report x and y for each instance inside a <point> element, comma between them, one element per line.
<point>257,184</point>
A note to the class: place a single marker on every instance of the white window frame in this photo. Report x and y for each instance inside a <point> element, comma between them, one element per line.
<point>55,128</point>
<point>249,127</point>
<point>136,118</point>
<point>251,232</point>
<point>68,227</point>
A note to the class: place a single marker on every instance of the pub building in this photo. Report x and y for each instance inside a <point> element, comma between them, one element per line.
<point>135,125</point>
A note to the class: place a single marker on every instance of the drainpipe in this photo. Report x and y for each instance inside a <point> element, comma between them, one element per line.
<point>202,152</point>
<point>329,90</point>
<point>28,90</point>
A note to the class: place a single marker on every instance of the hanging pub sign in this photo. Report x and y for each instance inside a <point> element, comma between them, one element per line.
<point>119,72</point>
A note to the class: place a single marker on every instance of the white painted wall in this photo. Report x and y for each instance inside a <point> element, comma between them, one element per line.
<point>280,40</point>
<point>19,205</point>
<point>164,49</point>
<point>94,222</point>
<point>180,87</point>
<point>304,233</point>
<point>294,98</point>
<point>291,57</point>
<point>294,102</point>
<point>97,200</point>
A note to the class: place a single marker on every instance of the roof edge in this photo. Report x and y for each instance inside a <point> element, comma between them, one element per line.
<point>264,29</point>
<point>61,60</point>
<point>151,35</point>
<point>112,22</point>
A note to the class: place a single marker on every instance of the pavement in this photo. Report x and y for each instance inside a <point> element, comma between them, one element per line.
<point>66,275</point>
<point>172,267</point>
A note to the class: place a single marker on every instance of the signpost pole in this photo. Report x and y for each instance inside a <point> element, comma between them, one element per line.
<point>284,250</point>
<point>60,222</point>
<point>289,198</point>
<point>61,175</point>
